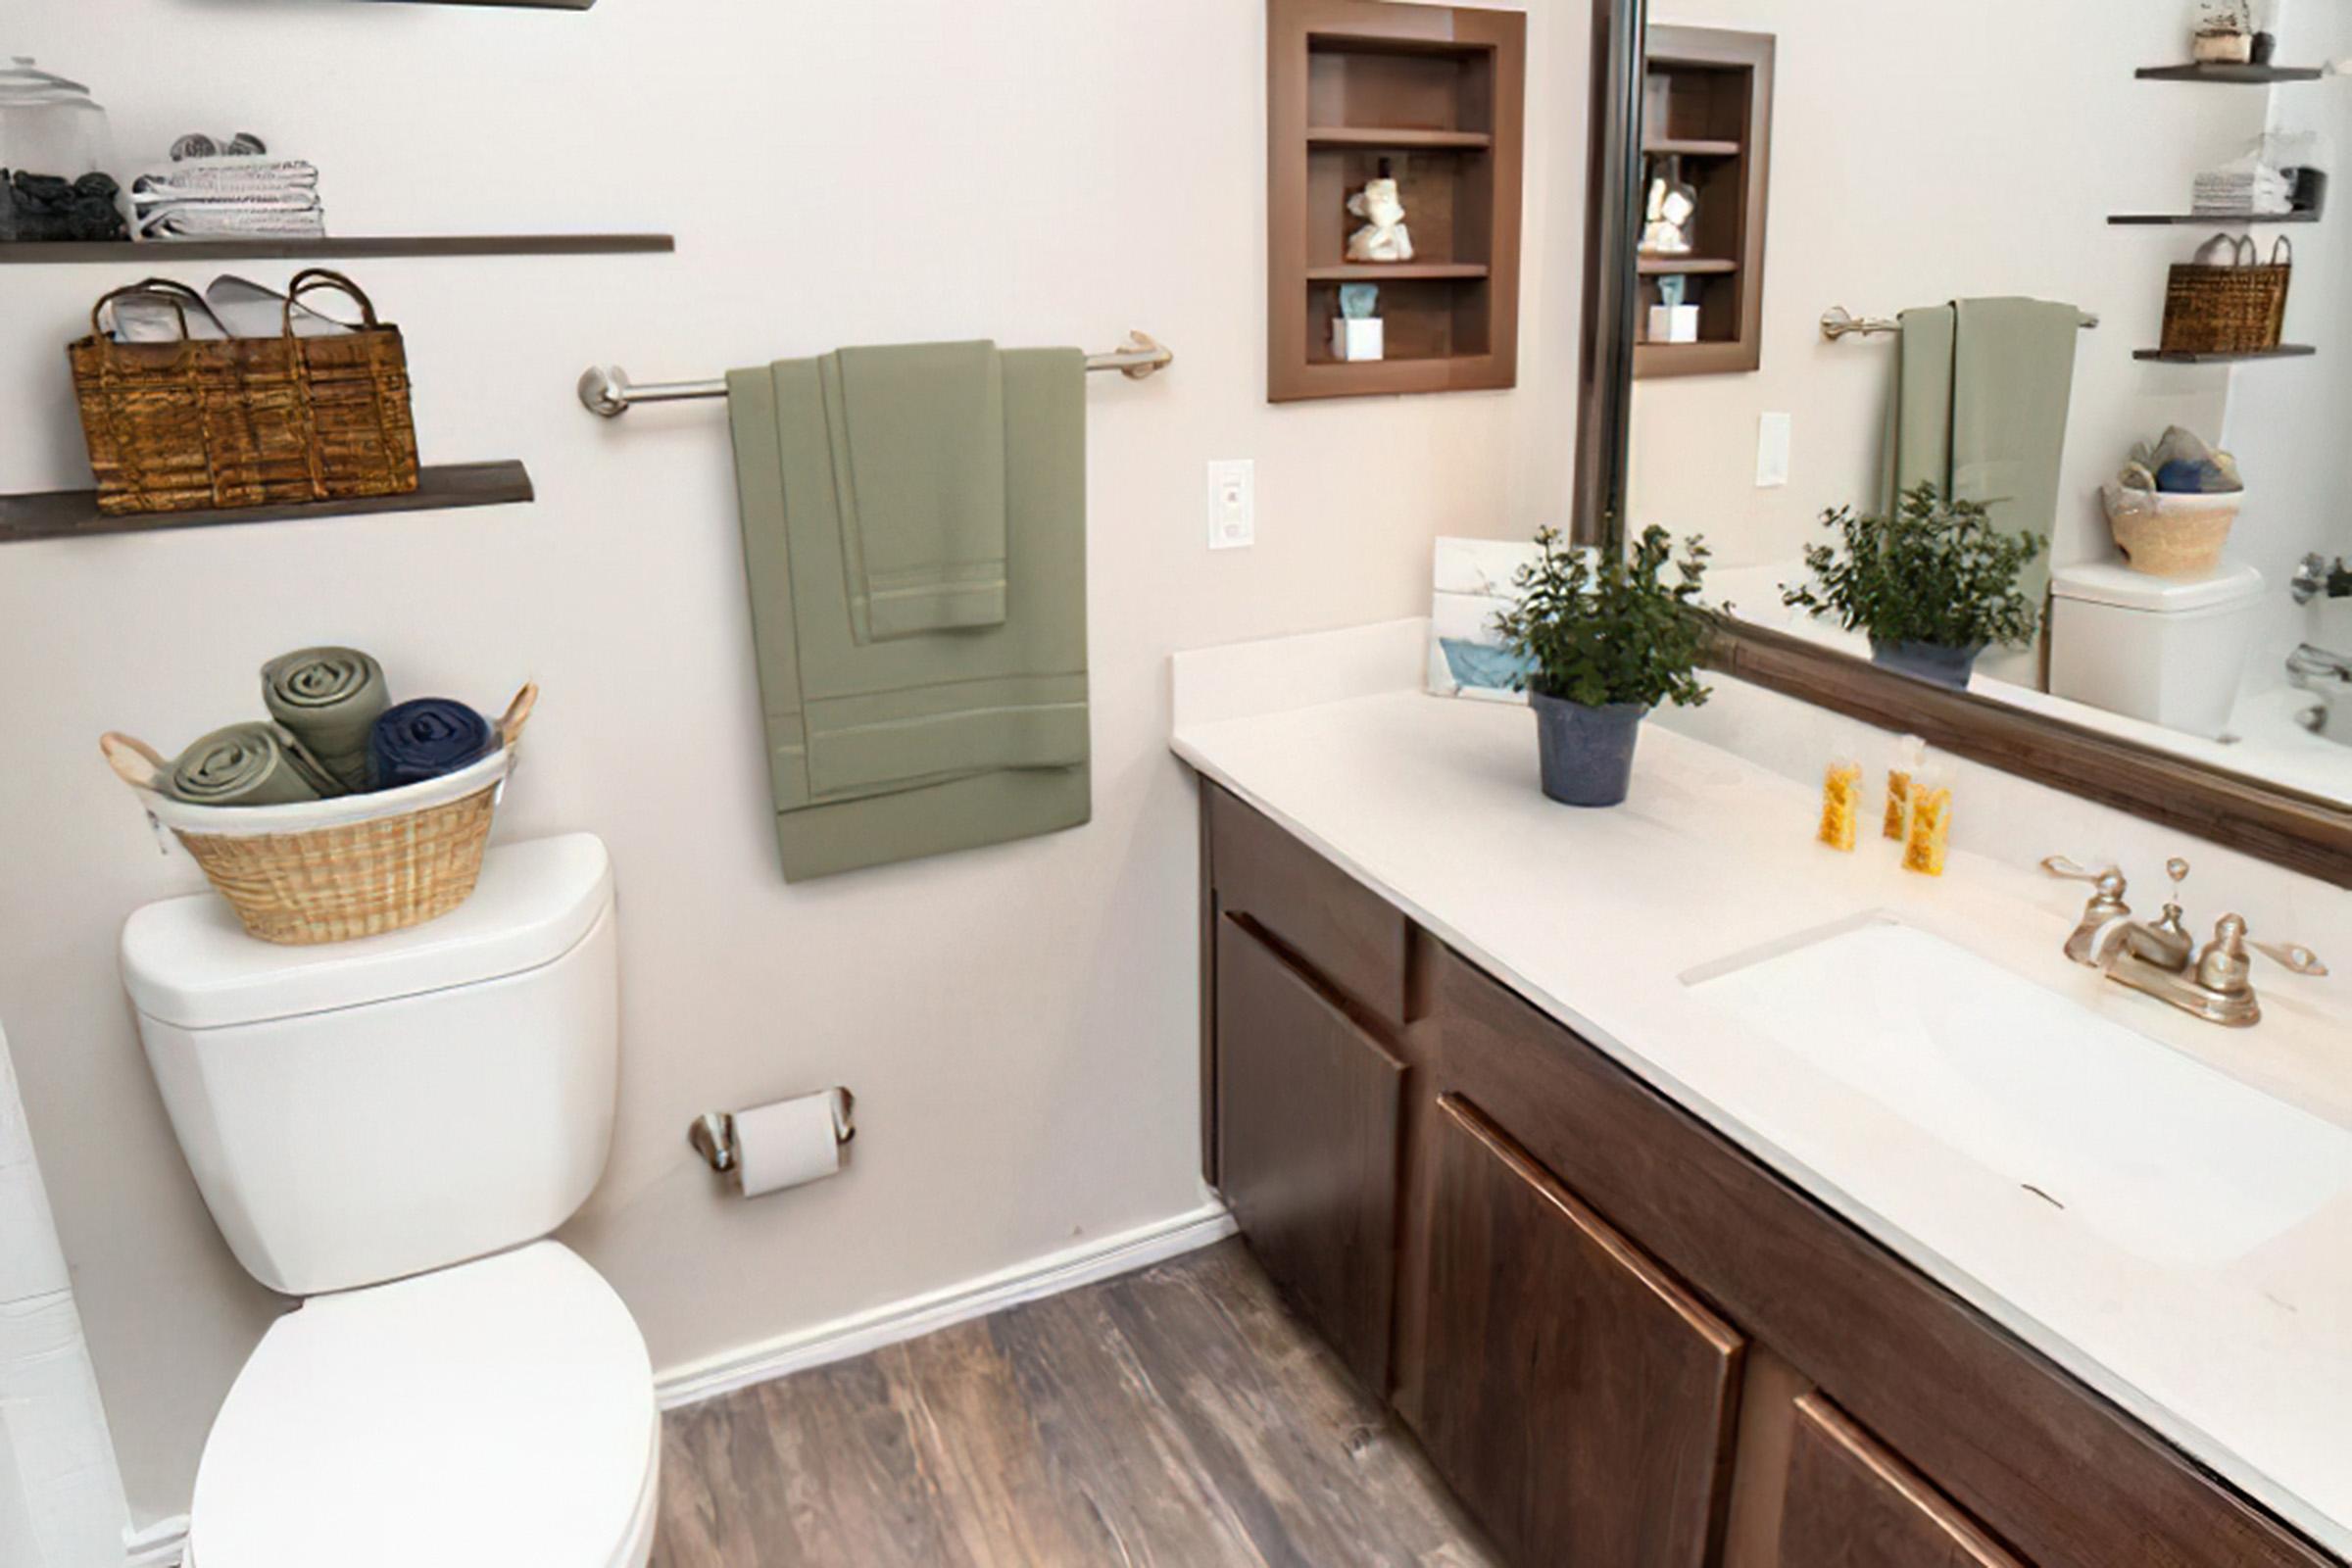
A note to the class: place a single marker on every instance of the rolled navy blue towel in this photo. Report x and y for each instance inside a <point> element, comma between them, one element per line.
<point>425,739</point>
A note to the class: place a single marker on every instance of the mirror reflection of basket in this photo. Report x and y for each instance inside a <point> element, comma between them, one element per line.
<point>2172,535</point>
<point>352,867</point>
<point>2237,308</point>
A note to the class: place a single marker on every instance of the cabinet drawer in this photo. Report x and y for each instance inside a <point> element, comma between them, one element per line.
<point>1851,1503</point>
<point>1307,1115</point>
<point>1575,1395</point>
<point>1354,941</point>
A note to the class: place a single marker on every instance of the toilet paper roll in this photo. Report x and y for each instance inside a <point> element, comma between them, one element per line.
<point>790,1143</point>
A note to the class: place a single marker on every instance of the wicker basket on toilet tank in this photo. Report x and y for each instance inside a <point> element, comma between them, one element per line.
<point>352,867</point>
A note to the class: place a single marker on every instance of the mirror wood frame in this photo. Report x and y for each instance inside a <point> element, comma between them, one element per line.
<point>2303,832</point>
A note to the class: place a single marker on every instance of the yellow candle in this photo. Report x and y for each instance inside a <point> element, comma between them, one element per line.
<point>1842,805</point>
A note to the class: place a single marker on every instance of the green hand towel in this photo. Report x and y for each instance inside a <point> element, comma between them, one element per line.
<point>329,698</point>
<point>918,468</point>
<point>250,764</point>
<point>1981,409</point>
<point>915,746</point>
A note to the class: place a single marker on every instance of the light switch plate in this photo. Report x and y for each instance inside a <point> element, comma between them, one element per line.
<point>1773,432</point>
<point>1233,503</point>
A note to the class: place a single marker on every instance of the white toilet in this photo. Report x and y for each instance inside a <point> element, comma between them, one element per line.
<point>389,1128</point>
<point>2168,650</point>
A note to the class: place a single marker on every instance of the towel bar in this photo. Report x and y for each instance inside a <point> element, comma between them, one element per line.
<point>1836,322</point>
<point>605,390</point>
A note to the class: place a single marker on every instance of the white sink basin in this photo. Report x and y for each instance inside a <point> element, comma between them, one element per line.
<point>2156,1152</point>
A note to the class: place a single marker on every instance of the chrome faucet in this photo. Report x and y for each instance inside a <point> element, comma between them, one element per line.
<point>2161,960</point>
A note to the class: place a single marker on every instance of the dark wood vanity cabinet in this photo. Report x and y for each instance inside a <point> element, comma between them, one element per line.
<point>1624,1341</point>
<point>1581,1400</point>
<point>1307,1108</point>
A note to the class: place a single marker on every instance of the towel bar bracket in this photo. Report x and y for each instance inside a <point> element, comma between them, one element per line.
<point>607,391</point>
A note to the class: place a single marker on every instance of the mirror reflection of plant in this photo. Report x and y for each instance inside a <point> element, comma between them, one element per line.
<point>1605,626</point>
<point>1934,572</point>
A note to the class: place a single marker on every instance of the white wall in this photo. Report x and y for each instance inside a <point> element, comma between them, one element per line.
<point>1926,151</point>
<point>2288,420</point>
<point>1018,1023</point>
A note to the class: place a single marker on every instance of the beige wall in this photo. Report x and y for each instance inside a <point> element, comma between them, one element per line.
<point>1926,151</point>
<point>1018,1023</point>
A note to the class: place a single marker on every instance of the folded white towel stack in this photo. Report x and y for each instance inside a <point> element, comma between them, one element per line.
<point>235,196</point>
<point>2247,186</point>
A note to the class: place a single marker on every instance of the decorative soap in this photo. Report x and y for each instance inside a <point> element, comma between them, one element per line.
<point>1930,827</point>
<point>1910,755</point>
<point>1841,806</point>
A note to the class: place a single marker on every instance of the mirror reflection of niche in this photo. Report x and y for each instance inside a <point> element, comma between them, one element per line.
<point>1927,155</point>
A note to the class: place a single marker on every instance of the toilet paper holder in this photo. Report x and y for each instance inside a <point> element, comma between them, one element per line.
<point>712,1134</point>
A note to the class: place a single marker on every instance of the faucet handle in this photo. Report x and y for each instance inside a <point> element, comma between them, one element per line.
<point>2066,869</point>
<point>2291,956</point>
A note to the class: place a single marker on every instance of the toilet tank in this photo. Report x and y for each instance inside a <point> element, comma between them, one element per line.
<point>364,1110</point>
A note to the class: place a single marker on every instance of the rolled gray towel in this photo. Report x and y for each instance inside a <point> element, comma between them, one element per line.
<point>330,698</point>
<point>250,764</point>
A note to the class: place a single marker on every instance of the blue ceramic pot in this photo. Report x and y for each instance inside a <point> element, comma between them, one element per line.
<point>1587,752</point>
<point>1928,662</point>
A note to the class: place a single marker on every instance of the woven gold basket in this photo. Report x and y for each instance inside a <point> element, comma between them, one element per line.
<point>332,870</point>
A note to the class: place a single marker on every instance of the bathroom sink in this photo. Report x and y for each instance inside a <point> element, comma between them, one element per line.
<point>2154,1151</point>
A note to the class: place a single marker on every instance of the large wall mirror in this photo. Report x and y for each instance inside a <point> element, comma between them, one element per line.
<point>2053,322</point>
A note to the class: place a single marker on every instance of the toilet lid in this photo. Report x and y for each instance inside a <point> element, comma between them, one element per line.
<point>495,1413</point>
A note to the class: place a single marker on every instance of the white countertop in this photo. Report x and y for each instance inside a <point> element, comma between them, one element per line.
<point>1593,917</point>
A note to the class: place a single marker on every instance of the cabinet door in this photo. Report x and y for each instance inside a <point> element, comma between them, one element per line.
<point>1853,1505</point>
<point>1307,1107</point>
<point>1576,1396</point>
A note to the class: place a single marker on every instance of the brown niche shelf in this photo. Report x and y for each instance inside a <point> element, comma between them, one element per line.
<point>74,514</point>
<point>1714,89</point>
<point>1439,93</point>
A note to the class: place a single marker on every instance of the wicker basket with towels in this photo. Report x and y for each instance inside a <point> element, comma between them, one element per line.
<point>354,865</point>
<point>251,421</point>
<point>2231,306</point>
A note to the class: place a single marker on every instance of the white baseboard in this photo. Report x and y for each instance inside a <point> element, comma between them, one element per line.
<point>161,1545</point>
<point>860,1331</point>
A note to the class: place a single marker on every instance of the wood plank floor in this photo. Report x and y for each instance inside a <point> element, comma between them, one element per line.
<point>1175,1417</point>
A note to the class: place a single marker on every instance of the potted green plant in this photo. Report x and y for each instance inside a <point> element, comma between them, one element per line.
<point>1932,584</point>
<point>1608,638</point>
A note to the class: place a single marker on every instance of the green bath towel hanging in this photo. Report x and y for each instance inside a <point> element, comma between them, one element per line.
<point>897,748</point>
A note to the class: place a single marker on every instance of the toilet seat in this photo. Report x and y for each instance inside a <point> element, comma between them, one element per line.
<point>494,1414</point>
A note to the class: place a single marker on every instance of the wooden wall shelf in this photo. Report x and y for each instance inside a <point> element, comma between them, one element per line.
<point>2229,76</point>
<point>1397,140</point>
<point>33,252</point>
<point>2211,220</point>
<point>1440,94</point>
<point>2285,351</point>
<point>74,514</point>
<point>1716,87</point>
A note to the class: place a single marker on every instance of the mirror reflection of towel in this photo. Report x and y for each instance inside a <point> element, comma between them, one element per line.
<point>1981,406</point>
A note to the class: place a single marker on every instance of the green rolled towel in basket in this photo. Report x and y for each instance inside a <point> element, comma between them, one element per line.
<point>330,699</point>
<point>250,764</point>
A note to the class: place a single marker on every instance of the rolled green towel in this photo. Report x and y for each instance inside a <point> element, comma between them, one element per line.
<point>250,764</point>
<point>330,698</point>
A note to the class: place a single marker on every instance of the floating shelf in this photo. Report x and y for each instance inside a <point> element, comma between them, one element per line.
<point>1399,140</point>
<point>74,514</point>
<point>1690,147</point>
<point>1674,265</point>
<point>33,252</point>
<point>2224,219</point>
<point>2234,75</point>
<point>1396,271</point>
<point>2285,351</point>
<point>528,4</point>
